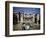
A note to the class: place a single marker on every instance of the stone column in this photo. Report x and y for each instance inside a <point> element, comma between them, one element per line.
<point>37,18</point>
<point>33,17</point>
<point>21,17</point>
<point>18,17</point>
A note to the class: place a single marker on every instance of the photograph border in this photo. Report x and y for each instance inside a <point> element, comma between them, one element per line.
<point>7,18</point>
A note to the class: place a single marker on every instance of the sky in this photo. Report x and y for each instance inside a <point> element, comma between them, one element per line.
<point>26,10</point>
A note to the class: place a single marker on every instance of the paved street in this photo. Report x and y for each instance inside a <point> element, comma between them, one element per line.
<point>32,26</point>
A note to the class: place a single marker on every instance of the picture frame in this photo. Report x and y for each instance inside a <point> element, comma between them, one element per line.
<point>13,8</point>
